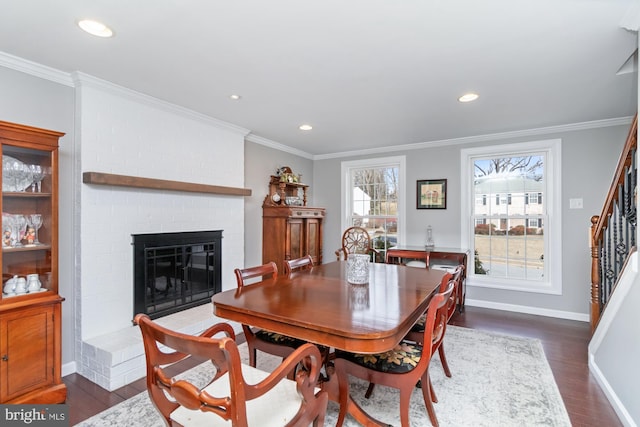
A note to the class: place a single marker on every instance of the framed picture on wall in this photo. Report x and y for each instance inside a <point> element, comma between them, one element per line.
<point>432,194</point>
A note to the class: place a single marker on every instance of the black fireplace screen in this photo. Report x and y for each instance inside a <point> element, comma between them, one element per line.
<point>175,271</point>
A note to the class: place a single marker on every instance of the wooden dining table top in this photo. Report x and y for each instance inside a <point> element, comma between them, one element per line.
<point>320,306</point>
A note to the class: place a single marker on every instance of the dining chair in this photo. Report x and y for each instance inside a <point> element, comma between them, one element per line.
<point>261,339</point>
<point>416,333</point>
<point>298,264</point>
<point>234,393</point>
<point>302,264</point>
<point>356,240</point>
<point>401,367</point>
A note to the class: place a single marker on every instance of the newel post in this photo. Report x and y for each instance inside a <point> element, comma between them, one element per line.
<point>595,274</point>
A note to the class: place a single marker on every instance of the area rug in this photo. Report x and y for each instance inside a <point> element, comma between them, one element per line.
<point>497,380</point>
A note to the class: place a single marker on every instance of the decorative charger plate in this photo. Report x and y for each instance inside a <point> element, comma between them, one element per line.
<point>8,182</point>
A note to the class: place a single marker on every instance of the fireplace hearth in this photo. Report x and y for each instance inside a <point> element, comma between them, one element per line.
<point>175,271</point>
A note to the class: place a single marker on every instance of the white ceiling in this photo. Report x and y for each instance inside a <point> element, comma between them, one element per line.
<point>364,73</point>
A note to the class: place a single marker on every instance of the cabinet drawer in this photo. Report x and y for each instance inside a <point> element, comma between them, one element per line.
<point>303,213</point>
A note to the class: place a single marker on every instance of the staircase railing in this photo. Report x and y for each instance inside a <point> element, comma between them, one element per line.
<point>613,232</point>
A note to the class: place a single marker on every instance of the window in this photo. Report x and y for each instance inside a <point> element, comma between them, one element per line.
<point>515,242</point>
<point>533,198</point>
<point>534,222</point>
<point>374,198</point>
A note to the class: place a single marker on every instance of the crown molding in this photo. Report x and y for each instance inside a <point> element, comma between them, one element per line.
<point>620,121</point>
<point>277,146</point>
<point>78,79</point>
<point>85,80</point>
<point>35,69</point>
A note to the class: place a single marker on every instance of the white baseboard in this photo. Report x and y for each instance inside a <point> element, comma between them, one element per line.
<point>69,368</point>
<point>618,406</point>
<point>582,317</point>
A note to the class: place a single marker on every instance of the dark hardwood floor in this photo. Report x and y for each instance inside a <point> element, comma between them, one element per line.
<point>564,341</point>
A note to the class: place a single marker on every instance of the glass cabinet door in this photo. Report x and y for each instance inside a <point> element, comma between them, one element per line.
<point>29,221</point>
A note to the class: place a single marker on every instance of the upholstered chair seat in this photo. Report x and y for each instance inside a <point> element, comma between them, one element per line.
<point>283,396</point>
<point>403,358</point>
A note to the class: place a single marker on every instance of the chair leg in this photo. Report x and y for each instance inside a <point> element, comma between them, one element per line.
<point>405,397</point>
<point>318,421</point>
<point>252,356</point>
<point>369,390</point>
<point>432,391</point>
<point>443,359</point>
<point>343,390</point>
<point>428,399</point>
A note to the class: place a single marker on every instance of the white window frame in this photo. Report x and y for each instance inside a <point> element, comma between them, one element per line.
<point>552,284</point>
<point>347,194</point>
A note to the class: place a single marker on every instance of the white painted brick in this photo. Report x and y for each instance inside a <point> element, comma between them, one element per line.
<point>118,135</point>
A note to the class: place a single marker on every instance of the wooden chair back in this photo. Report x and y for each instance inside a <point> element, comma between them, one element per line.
<point>447,287</point>
<point>168,393</point>
<point>436,318</point>
<point>260,339</point>
<point>297,264</point>
<point>356,240</point>
<point>257,273</point>
<point>457,281</point>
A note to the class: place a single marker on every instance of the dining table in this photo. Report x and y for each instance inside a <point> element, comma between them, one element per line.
<point>321,306</point>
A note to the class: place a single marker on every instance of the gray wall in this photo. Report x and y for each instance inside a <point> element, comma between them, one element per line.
<point>42,103</point>
<point>618,349</point>
<point>589,158</point>
<point>260,162</point>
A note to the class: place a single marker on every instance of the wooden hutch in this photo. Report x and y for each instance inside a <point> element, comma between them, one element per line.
<point>290,229</point>
<point>30,316</point>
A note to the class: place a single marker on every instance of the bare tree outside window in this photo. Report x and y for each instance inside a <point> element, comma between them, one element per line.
<point>375,203</point>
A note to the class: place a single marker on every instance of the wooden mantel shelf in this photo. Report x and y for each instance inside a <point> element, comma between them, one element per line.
<point>99,178</point>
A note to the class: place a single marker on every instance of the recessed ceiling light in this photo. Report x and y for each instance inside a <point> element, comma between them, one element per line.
<point>235,97</point>
<point>95,28</point>
<point>305,127</point>
<point>468,97</point>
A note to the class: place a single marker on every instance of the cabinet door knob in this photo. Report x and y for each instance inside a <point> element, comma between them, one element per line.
<point>5,358</point>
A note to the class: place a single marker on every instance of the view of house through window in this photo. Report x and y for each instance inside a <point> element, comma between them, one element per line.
<point>509,216</point>
<point>373,200</point>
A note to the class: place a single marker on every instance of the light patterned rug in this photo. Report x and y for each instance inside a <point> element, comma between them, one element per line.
<point>497,380</point>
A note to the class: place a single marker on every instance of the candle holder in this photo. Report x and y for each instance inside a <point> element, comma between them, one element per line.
<point>429,242</point>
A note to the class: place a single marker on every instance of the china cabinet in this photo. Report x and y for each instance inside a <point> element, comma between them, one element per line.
<point>30,306</point>
<point>290,228</point>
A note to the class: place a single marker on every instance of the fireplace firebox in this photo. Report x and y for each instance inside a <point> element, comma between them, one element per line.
<point>175,271</point>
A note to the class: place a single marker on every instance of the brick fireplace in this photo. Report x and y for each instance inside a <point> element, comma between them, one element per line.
<point>175,271</point>
<point>175,275</point>
<point>114,131</point>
